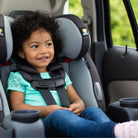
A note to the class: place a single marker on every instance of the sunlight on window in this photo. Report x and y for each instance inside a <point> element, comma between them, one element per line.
<point>75,8</point>
<point>120,26</point>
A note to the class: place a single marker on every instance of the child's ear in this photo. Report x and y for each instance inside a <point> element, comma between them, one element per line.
<point>21,54</point>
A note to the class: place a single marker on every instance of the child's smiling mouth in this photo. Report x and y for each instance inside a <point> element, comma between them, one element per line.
<point>43,58</point>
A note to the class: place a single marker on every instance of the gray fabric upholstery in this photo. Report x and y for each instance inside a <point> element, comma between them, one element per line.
<point>8,36</point>
<point>82,81</point>
<point>71,38</point>
<point>4,100</point>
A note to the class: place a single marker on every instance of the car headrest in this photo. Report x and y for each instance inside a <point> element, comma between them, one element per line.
<point>6,43</point>
<point>74,35</point>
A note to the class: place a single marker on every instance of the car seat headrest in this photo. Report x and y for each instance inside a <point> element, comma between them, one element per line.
<point>6,43</point>
<point>74,35</point>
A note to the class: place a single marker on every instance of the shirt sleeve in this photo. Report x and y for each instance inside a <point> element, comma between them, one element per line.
<point>15,82</point>
<point>67,80</point>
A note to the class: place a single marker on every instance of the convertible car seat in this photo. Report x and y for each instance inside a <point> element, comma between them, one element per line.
<point>75,60</point>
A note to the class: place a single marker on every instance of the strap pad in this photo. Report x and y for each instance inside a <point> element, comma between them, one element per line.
<point>47,84</point>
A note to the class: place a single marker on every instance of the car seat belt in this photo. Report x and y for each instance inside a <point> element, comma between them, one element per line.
<point>57,82</point>
<point>2,40</point>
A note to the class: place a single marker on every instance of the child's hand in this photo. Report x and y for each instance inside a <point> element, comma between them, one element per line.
<point>52,108</point>
<point>77,104</point>
<point>76,108</point>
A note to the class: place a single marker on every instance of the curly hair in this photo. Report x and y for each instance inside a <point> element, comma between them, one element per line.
<point>23,27</point>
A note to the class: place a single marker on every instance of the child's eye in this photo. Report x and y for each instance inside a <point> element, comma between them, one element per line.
<point>48,44</point>
<point>34,46</point>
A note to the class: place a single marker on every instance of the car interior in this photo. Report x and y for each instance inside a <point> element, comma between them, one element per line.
<point>95,85</point>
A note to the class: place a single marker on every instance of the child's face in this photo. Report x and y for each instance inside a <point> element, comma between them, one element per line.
<point>38,50</point>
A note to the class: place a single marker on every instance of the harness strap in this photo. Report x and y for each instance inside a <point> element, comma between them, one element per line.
<point>45,85</point>
<point>47,96</point>
<point>63,96</point>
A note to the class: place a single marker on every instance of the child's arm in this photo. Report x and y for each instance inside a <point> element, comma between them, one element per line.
<point>77,104</point>
<point>17,103</point>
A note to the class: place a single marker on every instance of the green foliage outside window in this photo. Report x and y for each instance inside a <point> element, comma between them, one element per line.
<point>75,8</point>
<point>120,25</point>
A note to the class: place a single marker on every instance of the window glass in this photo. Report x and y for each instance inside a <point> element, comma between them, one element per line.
<point>120,25</point>
<point>75,8</point>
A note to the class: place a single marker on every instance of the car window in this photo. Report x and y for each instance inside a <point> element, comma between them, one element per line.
<point>75,8</point>
<point>120,26</point>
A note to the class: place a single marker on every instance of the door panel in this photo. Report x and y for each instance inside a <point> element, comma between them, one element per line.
<point>120,73</point>
<point>121,89</point>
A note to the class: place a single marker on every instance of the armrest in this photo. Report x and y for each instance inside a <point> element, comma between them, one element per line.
<point>22,127</point>
<point>123,110</point>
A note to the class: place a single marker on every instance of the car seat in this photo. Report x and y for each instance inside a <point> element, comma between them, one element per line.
<point>75,60</point>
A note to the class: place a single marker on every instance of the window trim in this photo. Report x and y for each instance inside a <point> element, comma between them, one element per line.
<point>132,20</point>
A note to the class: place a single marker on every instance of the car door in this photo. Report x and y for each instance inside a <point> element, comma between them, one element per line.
<point>117,61</point>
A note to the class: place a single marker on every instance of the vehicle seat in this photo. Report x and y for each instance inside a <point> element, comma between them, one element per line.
<point>78,64</point>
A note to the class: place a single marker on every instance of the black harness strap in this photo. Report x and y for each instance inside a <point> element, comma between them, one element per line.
<point>57,73</point>
<point>45,85</point>
<point>63,97</point>
<point>47,97</point>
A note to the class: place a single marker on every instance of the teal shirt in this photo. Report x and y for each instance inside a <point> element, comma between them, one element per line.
<point>31,96</point>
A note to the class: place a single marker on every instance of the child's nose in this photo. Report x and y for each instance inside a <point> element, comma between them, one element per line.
<point>44,49</point>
